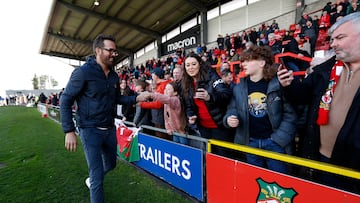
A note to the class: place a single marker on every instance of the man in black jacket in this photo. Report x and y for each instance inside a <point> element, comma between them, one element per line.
<point>95,88</point>
<point>333,95</point>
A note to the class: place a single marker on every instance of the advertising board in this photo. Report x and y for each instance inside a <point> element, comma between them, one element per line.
<point>177,164</point>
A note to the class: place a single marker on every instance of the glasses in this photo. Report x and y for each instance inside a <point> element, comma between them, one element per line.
<point>111,51</point>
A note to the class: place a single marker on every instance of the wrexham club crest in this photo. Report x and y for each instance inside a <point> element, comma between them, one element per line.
<point>274,193</point>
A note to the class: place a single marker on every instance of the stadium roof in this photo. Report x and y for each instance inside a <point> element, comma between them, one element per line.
<point>73,24</point>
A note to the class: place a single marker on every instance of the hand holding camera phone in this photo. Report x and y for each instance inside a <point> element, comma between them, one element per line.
<point>281,65</point>
<point>200,85</point>
<point>201,92</point>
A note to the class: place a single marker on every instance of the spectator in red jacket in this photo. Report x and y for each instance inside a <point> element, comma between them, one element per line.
<point>324,21</point>
<point>157,108</point>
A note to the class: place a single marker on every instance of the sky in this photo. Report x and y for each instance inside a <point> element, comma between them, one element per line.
<point>23,25</point>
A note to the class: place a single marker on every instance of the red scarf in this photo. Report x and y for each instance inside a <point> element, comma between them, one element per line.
<point>326,99</point>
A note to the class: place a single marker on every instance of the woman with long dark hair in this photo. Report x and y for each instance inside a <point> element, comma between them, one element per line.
<point>206,97</point>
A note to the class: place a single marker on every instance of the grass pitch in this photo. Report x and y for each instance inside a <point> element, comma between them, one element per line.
<point>35,166</point>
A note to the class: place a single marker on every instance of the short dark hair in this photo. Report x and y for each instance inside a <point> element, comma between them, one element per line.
<point>226,72</point>
<point>141,83</point>
<point>99,41</point>
<point>158,72</point>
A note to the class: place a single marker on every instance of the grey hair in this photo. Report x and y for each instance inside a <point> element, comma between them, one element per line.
<point>271,35</point>
<point>354,18</point>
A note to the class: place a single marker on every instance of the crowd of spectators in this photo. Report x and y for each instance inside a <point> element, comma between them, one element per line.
<point>20,99</point>
<point>165,77</point>
<point>52,99</point>
<point>31,98</point>
<point>159,75</point>
<point>300,38</point>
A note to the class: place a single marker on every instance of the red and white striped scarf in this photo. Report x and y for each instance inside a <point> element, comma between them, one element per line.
<point>326,99</point>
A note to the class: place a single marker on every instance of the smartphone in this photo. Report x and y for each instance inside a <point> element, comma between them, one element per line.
<point>282,63</point>
<point>277,65</point>
<point>200,84</point>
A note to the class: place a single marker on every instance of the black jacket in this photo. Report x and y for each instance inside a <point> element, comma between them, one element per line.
<point>346,151</point>
<point>220,95</point>
<point>96,96</point>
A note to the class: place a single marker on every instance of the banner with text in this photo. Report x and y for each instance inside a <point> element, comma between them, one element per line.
<point>188,39</point>
<point>179,165</point>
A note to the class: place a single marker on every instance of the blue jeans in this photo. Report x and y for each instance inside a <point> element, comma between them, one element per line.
<point>100,153</point>
<point>270,145</point>
<point>181,140</point>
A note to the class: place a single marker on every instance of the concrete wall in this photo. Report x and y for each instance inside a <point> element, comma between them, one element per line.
<point>253,15</point>
<point>148,55</point>
<point>284,11</point>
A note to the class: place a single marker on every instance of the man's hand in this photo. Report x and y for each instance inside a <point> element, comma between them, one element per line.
<point>192,120</point>
<point>285,77</point>
<point>143,96</point>
<point>70,141</point>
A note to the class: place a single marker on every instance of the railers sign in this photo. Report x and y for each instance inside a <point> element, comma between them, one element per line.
<point>179,165</point>
<point>186,40</point>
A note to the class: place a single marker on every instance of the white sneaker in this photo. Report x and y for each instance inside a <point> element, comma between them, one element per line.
<point>87,182</point>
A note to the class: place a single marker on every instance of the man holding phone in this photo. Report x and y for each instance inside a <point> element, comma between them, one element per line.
<point>333,95</point>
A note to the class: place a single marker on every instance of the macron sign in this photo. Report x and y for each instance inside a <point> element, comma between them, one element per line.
<point>186,40</point>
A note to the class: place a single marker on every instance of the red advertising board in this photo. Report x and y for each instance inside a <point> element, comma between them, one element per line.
<point>228,180</point>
